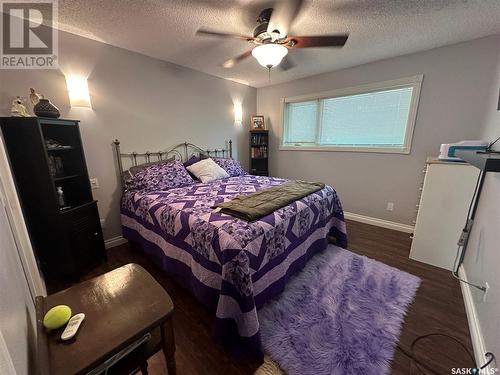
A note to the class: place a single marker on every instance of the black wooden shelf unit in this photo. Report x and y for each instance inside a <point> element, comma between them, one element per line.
<point>259,152</point>
<point>65,233</point>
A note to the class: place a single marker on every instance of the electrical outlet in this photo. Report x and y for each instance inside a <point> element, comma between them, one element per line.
<point>94,183</point>
<point>390,206</point>
<point>485,295</point>
<point>103,223</point>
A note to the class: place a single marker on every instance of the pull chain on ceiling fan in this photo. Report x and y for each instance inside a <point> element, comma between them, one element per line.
<point>271,39</point>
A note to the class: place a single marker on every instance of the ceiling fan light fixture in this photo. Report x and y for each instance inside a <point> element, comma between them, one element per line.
<point>269,55</point>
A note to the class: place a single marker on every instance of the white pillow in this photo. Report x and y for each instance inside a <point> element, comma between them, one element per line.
<point>207,170</point>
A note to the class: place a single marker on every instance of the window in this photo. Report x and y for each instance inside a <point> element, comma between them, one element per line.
<point>370,118</point>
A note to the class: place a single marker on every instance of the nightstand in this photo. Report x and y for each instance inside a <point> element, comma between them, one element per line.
<point>128,317</point>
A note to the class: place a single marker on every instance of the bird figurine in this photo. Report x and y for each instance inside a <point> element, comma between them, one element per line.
<point>18,108</point>
<point>34,96</point>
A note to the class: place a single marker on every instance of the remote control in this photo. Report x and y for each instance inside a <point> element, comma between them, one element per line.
<point>72,327</point>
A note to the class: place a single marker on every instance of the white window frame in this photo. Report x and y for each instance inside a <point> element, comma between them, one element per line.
<point>415,82</point>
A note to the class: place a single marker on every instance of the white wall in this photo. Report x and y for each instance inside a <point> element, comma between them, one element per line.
<point>452,105</point>
<point>482,260</point>
<point>147,103</point>
<point>17,310</point>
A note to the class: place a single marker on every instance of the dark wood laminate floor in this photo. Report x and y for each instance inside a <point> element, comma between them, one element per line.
<point>438,307</point>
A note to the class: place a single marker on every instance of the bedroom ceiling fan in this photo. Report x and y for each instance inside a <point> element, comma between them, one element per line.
<point>271,39</point>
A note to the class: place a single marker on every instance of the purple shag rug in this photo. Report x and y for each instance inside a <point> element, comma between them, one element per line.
<point>342,315</point>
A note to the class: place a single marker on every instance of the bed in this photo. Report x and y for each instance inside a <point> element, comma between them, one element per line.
<point>230,265</point>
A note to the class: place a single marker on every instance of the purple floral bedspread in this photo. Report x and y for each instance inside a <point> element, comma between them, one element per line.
<point>231,265</point>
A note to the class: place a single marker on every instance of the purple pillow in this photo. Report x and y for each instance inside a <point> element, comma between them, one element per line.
<point>163,176</point>
<point>134,169</point>
<point>231,166</point>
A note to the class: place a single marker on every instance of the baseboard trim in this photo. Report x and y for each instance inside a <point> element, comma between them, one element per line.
<point>476,333</point>
<point>379,222</point>
<point>114,241</point>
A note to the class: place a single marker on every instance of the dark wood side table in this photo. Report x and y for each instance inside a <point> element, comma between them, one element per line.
<point>121,307</point>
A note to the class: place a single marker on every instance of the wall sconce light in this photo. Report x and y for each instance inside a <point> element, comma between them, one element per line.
<point>238,113</point>
<point>78,91</point>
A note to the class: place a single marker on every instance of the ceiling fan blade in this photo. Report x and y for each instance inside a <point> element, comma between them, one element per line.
<point>286,64</point>
<point>318,41</point>
<point>283,15</point>
<point>216,34</point>
<point>235,60</point>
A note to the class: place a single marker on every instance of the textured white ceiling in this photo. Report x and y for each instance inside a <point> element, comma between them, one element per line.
<point>378,29</point>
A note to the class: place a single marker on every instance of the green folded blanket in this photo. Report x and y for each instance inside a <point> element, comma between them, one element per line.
<point>254,206</point>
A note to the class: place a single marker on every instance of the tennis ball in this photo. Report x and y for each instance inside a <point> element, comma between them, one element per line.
<point>57,317</point>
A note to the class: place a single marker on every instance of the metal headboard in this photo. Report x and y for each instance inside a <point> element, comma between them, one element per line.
<point>182,152</point>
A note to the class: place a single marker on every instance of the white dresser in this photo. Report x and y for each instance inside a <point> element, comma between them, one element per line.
<point>446,194</point>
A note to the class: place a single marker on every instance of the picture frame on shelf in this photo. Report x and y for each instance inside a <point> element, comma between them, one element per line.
<point>257,122</point>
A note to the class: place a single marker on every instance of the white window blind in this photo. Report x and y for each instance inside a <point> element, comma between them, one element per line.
<point>302,119</point>
<point>364,119</point>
